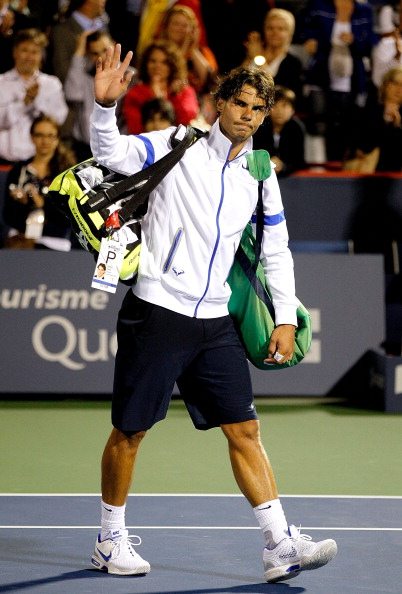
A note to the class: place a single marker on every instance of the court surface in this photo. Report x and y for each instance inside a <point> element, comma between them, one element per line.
<point>339,466</point>
<point>204,544</point>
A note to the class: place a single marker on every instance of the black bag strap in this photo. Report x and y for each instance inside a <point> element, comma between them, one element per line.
<point>259,224</point>
<point>250,268</point>
<point>142,183</point>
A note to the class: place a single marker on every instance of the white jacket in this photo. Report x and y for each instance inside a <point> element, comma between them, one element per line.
<point>195,220</point>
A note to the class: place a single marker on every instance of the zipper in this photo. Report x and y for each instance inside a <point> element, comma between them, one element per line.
<point>173,249</point>
<point>216,241</point>
<point>227,163</point>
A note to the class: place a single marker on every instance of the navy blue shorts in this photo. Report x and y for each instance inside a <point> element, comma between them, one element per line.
<point>158,347</point>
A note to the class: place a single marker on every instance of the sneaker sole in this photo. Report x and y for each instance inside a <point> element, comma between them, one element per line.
<point>326,552</point>
<point>100,565</point>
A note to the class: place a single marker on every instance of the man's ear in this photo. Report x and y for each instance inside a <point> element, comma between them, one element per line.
<point>219,105</point>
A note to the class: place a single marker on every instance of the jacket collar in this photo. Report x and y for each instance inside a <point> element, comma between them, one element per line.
<point>221,145</point>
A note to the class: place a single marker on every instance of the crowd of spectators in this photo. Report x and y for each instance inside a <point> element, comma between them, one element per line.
<point>336,64</point>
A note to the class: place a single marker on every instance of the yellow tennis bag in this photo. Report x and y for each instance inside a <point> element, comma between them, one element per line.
<point>99,201</point>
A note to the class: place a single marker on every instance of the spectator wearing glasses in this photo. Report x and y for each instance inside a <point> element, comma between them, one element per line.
<point>28,182</point>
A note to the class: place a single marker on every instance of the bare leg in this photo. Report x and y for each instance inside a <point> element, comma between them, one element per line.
<point>117,466</point>
<point>250,464</point>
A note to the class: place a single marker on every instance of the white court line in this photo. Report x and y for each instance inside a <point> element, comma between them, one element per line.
<point>325,528</point>
<point>301,496</point>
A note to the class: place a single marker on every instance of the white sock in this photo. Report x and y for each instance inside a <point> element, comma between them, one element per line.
<point>272,521</point>
<point>113,520</point>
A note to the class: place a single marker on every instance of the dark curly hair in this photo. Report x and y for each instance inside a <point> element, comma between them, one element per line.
<point>231,85</point>
<point>175,60</point>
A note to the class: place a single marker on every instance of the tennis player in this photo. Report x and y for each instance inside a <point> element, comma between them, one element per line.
<point>174,326</point>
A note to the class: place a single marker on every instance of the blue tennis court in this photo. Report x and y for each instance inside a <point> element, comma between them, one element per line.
<point>197,544</point>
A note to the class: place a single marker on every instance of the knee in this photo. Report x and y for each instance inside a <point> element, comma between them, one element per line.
<point>128,440</point>
<point>248,431</point>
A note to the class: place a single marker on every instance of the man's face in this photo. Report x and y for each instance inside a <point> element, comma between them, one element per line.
<point>97,49</point>
<point>27,57</point>
<point>241,116</point>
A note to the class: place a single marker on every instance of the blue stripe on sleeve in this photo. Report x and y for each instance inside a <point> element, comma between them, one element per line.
<point>271,220</point>
<point>150,151</point>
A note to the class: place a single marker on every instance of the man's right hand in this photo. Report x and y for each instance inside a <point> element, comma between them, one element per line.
<point>112,77</point>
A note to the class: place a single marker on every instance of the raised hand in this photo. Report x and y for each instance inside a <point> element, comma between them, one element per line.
<point>112,77</point>
<point>253,45</point>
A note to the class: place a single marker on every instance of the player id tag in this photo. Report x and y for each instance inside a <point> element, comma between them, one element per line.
<point>108,265</point>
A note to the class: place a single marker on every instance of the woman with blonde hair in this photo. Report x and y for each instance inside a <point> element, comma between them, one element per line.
<point>270,50</point>
<point>180,26</point>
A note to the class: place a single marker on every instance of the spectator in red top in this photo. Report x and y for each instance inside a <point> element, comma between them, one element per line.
<point>162,73</point>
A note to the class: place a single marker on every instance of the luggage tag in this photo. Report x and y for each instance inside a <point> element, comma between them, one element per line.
<point>109,262</point>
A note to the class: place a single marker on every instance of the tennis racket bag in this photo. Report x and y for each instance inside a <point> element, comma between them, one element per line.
<point>99,201</point>
<point>250,304</point>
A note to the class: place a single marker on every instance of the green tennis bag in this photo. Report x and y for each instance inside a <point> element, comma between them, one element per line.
<point>252,310</point>
<point>250,304</point>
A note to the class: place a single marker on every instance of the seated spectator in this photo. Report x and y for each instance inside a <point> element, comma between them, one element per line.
<point>157,114</point>
<point>162,73</point>
<point>338,36</point>
<point>180,26</point>
<point>271,51</point>
<point>82,15</point>
<point>28,183</point>
<point>11,21</point>
<point>282,134</point>
<point>387,53</point>
<point>379,134</point>
<point>78,87</point>
<point>27,92</point>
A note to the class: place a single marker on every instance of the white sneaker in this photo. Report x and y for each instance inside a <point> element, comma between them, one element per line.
<point>296,553</point>
<point>117,555</point>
